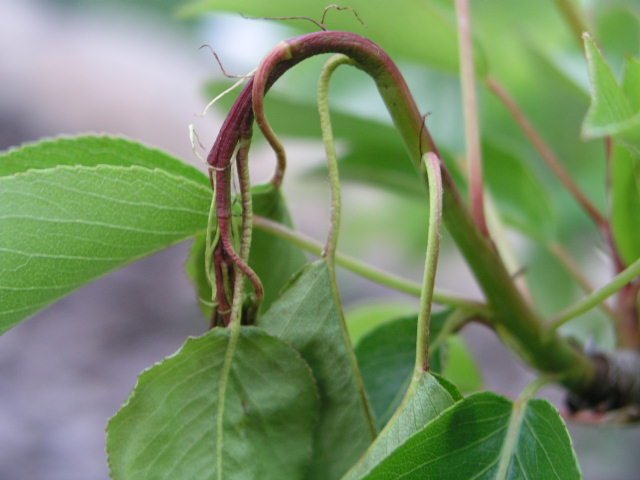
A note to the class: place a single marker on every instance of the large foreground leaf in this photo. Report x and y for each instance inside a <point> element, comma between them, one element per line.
<point>486,436</point>
<point>195,416</point>
<point>63,227</point>
<point>309,317</point>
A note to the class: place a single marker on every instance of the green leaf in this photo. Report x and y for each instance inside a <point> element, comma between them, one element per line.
<point>625,209</point>
<point>273,259</point>
<point>390,25</point>
<point>522,198</point>
<point>611,112</point>
<point>63,227</point>
<point>309,317</point>
<point>427,397</point>
<point>195,416</point>
<point>91,151</point>
<point>386,356</point>
<point>486,436</point>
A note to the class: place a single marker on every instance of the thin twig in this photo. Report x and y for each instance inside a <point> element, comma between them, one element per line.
<point>220,64</point>
<point>618,283</point>
<point>571,266</point>
<point>365,270</point>
<point>318,23</point>
<point>470,108</point>
<point>546,152</point>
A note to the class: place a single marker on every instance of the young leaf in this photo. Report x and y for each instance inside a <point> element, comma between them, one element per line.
<point>486,436</point>
<point>386,356</point>
<point>63,227</point>
<point>309,317</point>
<point>188,417</point>
<point>625,208</point>
<point>427,398</point>
<point>611,112</point>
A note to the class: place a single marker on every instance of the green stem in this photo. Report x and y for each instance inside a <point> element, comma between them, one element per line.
<point>365,270</point>
<point>591,301</point>
<point>332,160</point>
<point>432,164</point>
<point>329,252</point>
<point>470,110</point>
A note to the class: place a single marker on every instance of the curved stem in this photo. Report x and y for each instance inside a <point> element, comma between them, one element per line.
<point>620,281</point>
<point>470,108</point>
<point>432,164</point>
<point>329,68</point>
<point>516,321</point>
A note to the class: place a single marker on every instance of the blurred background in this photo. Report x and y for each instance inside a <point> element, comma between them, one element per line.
<point>134,68</point>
